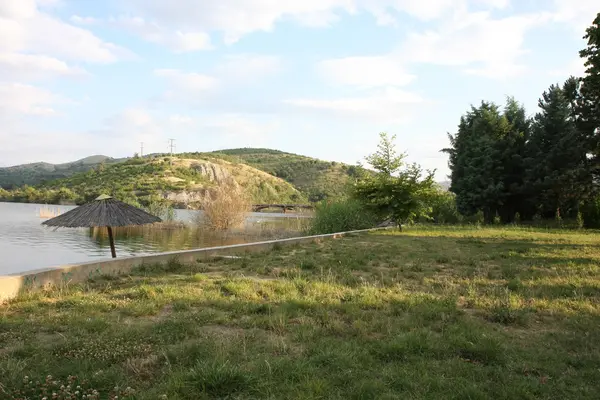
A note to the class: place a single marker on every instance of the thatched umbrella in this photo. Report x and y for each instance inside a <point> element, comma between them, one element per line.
<point>103,211</point>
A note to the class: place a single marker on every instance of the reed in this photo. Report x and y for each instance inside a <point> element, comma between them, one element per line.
<point>49,212</point>
<point>225,208</point>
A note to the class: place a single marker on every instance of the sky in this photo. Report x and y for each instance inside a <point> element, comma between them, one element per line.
<point>315,77</point>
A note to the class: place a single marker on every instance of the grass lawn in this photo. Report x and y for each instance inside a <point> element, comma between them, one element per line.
<point>434,313</point>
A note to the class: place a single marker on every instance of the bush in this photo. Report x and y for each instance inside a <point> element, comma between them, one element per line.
<point>226,207</point>
<point>591,213</point>
<point>348,215</point>
<point>161,208</point>
<point>443,208</point>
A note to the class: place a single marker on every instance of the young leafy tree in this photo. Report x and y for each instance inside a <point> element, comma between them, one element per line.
<point>386,160</point>
<point>396,191</point>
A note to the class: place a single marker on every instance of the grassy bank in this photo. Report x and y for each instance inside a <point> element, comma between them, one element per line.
<point>453,313</point>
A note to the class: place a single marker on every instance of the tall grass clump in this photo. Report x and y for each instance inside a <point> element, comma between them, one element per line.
<point>340,216</point>
<point>162,209</point>
<point>225,207</point>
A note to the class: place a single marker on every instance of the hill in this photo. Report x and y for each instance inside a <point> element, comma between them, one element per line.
<point>184,181</point>
<point>36,173</point>
<point>316,179</point>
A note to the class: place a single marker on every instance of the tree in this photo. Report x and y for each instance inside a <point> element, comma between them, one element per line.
<point>487,161</point>
<point>396,191</point>
<point>475,162</point>
<point>558,169</point>
<point>513,153</point>
<point>386,160</point>
<point>588,105</point>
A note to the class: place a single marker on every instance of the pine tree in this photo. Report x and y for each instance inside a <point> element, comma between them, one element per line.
<point>588,103</point>
<point>558,169</point>
<point>477,161</point>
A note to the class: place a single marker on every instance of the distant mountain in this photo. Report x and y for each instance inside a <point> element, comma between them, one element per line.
<point>40,172</point>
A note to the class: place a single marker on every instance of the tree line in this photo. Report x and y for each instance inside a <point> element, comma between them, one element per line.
<point>511,166</point>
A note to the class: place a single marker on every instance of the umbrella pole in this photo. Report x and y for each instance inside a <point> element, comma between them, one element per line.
<point>112,242</point>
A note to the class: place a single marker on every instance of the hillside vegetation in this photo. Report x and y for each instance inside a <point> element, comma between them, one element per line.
<point>182,180</point>
<point>314,179</point>
<point>36,173</point>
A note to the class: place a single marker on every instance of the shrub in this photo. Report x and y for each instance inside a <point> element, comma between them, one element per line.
<point>331,217</point>
<point>443,208</point>
<point>161,208</point>
<point>225,207</point>
<point>591,213</point>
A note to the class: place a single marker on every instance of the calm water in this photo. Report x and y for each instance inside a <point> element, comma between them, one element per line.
<point>25,244</point>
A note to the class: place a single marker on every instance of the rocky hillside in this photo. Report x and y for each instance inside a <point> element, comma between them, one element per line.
<point>184,181</point>
<point>316,179</point>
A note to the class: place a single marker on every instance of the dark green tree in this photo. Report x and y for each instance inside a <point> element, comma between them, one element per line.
<point>588,104</point>
<point>558,170</point>
<point>475,161</point>
<point>513,153</point>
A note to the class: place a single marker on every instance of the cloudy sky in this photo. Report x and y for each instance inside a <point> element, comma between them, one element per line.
<point>314,77</point>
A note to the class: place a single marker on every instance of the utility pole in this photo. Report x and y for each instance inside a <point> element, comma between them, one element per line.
<point>142,149</point>
<point>171,145</point>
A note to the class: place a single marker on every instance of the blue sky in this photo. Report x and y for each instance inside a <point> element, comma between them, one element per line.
<point>314,77</point>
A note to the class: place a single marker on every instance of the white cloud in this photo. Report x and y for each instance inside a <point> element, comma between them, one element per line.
<point>18,99</point>
<point>178,119</point>
<point>26,29</point>
<point>177,40</point>
<point>188,81</point>
<point>17,66</point>
<point>579,14</point>
<point>364,71</point>
<point>389,105</point>
<point>477,42</point>
<point>157,20</point>
<point>574,67</point>
<point>234,71</point>
<point>243,68</point>
<point>240,126</point>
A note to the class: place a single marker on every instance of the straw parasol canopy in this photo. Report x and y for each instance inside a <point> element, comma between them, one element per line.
<point>103,211</point>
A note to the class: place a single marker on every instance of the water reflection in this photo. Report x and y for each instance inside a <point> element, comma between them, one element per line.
<point>25,244</point>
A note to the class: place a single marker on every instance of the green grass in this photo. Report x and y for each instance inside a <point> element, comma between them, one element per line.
<point>432,313</point>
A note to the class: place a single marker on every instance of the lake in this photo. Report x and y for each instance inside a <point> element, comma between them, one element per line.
<point>25,244</point>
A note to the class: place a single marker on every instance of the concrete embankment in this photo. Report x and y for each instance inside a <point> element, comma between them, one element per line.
<point>12,285</point>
